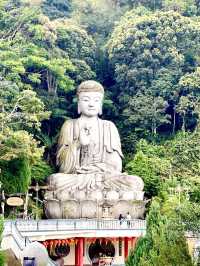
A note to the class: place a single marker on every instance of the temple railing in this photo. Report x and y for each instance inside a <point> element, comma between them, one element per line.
<point>10,228</point>
<point>79,224</point>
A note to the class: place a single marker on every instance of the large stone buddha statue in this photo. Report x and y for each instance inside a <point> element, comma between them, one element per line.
<point>90,164</point>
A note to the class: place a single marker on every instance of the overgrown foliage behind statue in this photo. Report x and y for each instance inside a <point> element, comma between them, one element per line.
<point>153,56</point>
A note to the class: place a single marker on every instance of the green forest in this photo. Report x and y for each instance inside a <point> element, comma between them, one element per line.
<point>146,53</point>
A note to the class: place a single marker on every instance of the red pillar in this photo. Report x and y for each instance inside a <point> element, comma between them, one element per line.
<point>80,251</point>
<point>76,254</point>
<point>125,247</point>
<point>133,242</point>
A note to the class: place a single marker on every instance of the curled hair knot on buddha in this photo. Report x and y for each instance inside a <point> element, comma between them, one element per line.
<point>90,86</point>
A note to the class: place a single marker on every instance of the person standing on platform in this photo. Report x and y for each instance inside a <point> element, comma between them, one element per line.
<point>120,218</point>
<point>128,217</point>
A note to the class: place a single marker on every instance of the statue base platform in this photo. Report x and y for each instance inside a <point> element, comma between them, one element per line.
<point>72,209</point>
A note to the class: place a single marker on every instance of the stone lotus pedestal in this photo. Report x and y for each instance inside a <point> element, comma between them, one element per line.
<point>72,209</point>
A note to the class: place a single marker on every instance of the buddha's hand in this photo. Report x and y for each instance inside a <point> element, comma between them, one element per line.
<point>85,135</point>
<point>87,169</point>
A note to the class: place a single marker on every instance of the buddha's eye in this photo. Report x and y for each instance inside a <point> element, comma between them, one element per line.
<point>85,100</point>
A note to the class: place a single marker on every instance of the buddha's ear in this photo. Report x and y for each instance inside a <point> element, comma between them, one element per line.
<point>100,110</point>
<point>79,110</point>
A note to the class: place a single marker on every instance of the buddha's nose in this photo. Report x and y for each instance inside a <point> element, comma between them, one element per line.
<point>91,103</point>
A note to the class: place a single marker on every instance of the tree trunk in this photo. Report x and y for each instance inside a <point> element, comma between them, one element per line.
<point>51,84</point>
<point>153,128</point>
<point>183,125</point>
<point>174,120</point>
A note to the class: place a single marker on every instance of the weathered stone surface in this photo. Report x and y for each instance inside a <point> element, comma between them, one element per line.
<point>89,209</point>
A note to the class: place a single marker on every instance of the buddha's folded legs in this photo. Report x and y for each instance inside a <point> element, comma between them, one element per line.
<point>71,183</point>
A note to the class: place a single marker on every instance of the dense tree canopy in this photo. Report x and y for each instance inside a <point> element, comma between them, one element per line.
<point>153,55</point>
<point>56,8</point>
<point>164,243</point>
<point>146,54</point>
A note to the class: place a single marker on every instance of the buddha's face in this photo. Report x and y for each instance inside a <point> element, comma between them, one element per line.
<point>90,103</point>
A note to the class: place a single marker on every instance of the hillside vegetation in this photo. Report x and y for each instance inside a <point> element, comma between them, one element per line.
<point>147,56</point>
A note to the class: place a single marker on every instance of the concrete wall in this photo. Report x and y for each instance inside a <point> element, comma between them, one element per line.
<point>8,242</point>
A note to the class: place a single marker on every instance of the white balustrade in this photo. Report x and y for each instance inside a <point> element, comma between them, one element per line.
<point>78,224</point>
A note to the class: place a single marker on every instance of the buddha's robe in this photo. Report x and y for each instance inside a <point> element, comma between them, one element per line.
<point>72,157</point>
<point>93,166</point>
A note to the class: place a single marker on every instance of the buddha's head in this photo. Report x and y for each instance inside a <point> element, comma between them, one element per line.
<point>90,98</point>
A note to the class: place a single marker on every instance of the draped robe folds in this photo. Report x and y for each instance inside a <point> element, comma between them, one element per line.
<point>83,168</point>
<point>69,151</point>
